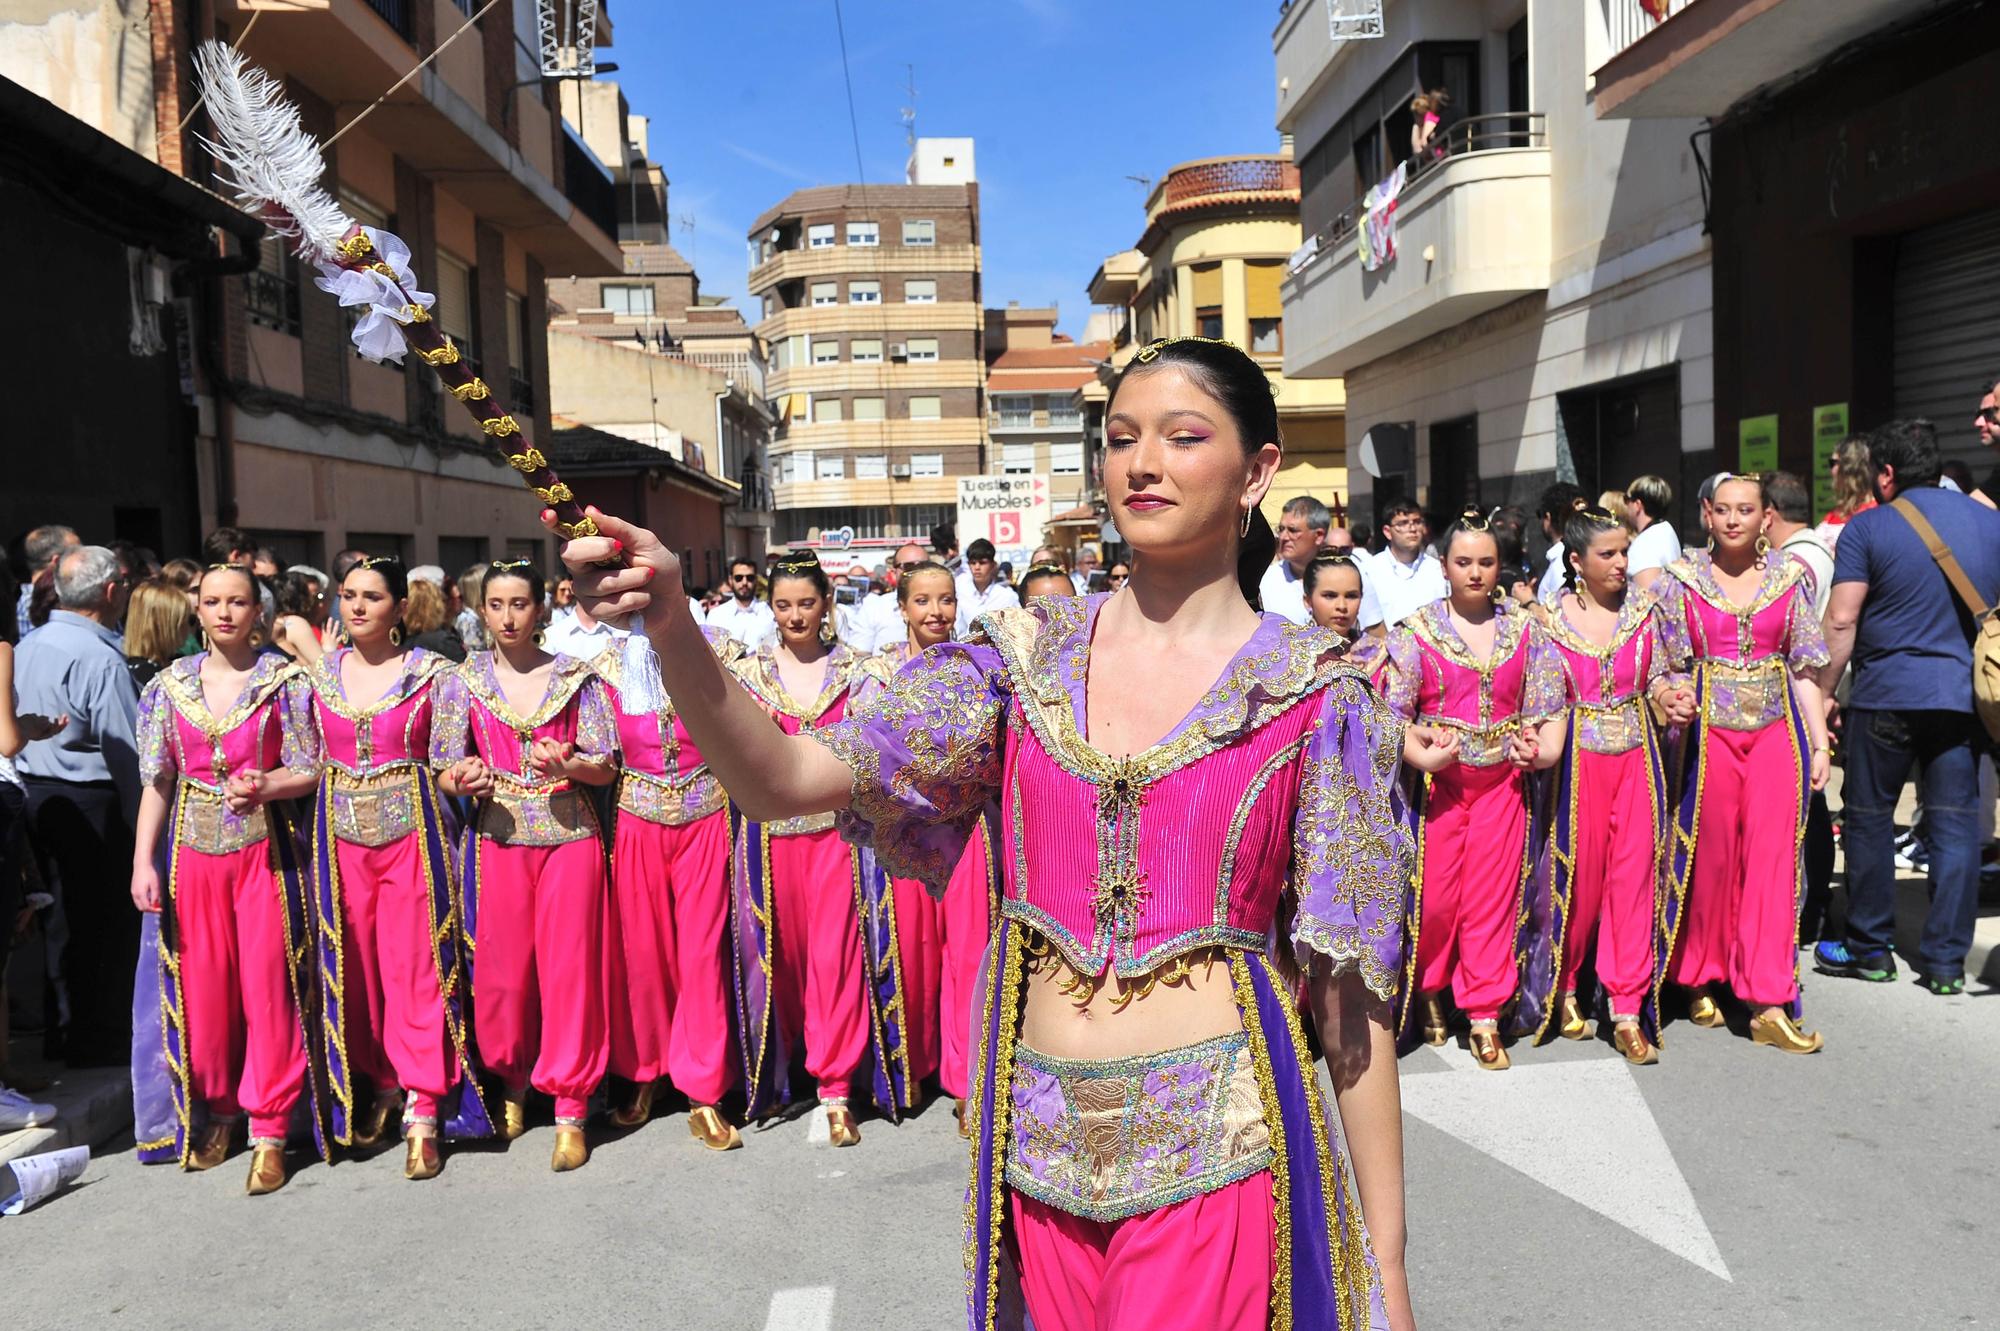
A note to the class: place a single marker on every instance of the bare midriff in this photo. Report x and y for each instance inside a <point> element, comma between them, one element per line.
<point>1069,1015</point>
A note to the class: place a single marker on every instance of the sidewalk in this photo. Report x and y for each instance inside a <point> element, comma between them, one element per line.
<point>93,1105</point>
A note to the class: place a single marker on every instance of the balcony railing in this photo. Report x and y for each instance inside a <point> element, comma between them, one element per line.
<point>587,186</point>
<point>1236,175</point>
<point>273,300</point>
<point>1016,420</point>
<point>1474,134</point>
<point>396,13</point>
<point>1629,20</point>
<point>520,391</point>
<point>1060,416</point>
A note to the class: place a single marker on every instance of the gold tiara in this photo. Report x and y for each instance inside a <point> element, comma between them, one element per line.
<point>1151,351</point>
<point>377,561</point>
<point>1471,519</point>
<point>511,563</point>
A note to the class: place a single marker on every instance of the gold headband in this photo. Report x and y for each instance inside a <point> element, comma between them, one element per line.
<point>510,563</point>
<point>1471,519</point>
<point>1151,351</point>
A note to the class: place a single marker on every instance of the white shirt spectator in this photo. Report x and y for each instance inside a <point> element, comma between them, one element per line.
<point>875,623</point>
<point>1551,584</point>
<point>751,624</point>
<point>1655,547</point>
<point>972,603</point>
<point>1403,589</point>
<point>1284,593</point>
<point>567,635</point>
<point>1805,546</point>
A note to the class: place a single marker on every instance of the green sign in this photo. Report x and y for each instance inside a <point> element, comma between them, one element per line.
<point>1757,444</point>
<point>1829,428</point>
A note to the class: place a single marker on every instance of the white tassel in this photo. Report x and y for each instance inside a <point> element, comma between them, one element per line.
<point>641,691</point>
<point>265,156</point>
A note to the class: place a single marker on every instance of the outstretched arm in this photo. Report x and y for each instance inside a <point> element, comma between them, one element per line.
<point>768,773</point>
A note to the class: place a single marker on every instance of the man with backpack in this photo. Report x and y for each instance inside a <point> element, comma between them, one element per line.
<point>1913,585</point>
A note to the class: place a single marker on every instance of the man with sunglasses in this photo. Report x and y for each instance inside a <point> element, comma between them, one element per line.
<point>877,622</point>
<point>1987,423</point>
<point>744,617</point>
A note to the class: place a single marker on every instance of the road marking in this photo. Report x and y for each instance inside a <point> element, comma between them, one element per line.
<point>1579,1127</point>
<point>808,1309</point>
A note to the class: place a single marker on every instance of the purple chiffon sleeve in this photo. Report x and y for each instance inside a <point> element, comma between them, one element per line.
<point>1545,690</point>
<point>155,745</point>
<point>1403,673</point>
<point>1351,855</point>
<point>1670,613</point>
<point>1805,645</point>
<point>596,721</point>
<point>451,727</point>
<point>298,727</point>
<point>926,752</point>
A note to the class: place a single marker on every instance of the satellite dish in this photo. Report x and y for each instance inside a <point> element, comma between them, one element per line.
<point>1369,462</point>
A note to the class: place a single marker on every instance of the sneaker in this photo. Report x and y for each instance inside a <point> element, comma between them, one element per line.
<point>17,1111</point>
<point>1942,987</point>
<point>1913,858</point>
<point>1836,959</point>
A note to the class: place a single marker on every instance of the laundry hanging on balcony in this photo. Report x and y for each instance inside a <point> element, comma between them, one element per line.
<point>1375,238</point>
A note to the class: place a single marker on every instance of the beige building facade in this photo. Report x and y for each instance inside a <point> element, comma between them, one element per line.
<point>1033,376</point>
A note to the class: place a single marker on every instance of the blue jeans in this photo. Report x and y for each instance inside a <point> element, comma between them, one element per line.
<point>1882,747</point>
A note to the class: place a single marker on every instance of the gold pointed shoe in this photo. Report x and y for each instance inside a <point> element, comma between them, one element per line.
<point>840,1126</point>
<point>964,1120</point>
<point>1703,1011</point>
<point>1777,1029</point>
<point>1488,1052</point>
<point>211,1146</point>
<point>1434,1027</point>
<point>707,1126</point>
<point>513,1115</point>
<point>1573,1026</point>
<point>1632,1043</point>
<point>421,1156</point>
<point>373,1122</point>
<point>636,1113</point>
<point>267,1169</point>
<point>570,1152</point>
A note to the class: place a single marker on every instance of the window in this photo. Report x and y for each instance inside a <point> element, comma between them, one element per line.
<point>1066,459</point>
<point>819,237</point>
<point>802,464</point>
<point>919,231</point>
<point>1016,410</point>
<point>1206,283</point>
<point>520,382</point>
<point>785,465</point>
<point>1208,321</point>
<point>926,464</point>
<point>925,409</point>
<point>826,293</point>
<point>826,351</point>
<point>864,233</point>
<point>770,307</point>
<point>865,350</point>
<point>922,348</point>
<point>799,408</point>
<point>1267,336</point>
<point>920,291</point>
<point>868,409</point>
<point>871,467</point>
<point>1264,305</point>
<point>271,290</point>
<point>830,467</point>
<point>453,311</point>
<point>1017,459</point>
<point>1062,411</point>
<point>864,293</point>
<point>625,298</point>
<point>826,409</point>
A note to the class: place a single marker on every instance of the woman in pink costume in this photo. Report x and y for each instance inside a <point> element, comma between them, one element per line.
<point>391,957</point>
<point>1609,822</point>
<point>1480,679</point>
<point>670,903</point>
<point>223,735</point>
<point>1333,595</point>
<point>1742,615</point>
<point>1151,1148</point>
<point>521,731</point>
<point>802,892</point>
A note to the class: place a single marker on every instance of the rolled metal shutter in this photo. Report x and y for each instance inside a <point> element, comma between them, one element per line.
<point>1947,329</point>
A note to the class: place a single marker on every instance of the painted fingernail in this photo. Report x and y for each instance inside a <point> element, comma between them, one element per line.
<point>618,547</point>
<point>650,571</point>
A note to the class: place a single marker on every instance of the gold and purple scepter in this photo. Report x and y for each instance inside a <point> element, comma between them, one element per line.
<point>265,157</point>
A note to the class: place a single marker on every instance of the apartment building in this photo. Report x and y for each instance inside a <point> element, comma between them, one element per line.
<point>868,299</point>
<point>1218,234</point>
<point>294,436</point>
<point>1034,376</point>
<point>1526,300</point>
<point>1855,209</point>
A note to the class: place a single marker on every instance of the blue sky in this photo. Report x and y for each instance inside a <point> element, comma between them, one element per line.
<point>1065,97</point>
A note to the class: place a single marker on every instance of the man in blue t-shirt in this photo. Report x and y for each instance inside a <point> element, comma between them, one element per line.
<point>1910,639</point>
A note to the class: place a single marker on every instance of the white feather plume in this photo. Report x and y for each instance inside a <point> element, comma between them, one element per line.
<point>264,155</point>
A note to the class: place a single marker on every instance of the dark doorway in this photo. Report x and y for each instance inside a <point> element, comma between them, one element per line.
<point>1454,469</point>
<point>1623,429</point>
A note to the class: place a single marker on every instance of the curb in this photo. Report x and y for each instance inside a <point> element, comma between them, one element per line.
<point>1913,901</point>
<point>93,1105</point>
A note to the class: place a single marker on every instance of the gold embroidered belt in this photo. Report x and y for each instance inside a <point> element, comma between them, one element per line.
<point>1478,746</point>
<point>1746,696</point>
<point>376,808</point>
<point>524,813</point>
<point>811,822</point>
<point>670,801</point>
<point>206,824</point>
<point>1108,1139</point>
<point>1611,727</point>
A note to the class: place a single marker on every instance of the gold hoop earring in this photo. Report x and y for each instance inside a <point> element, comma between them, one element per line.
<point>395,635</point>
<point>1763,551</point>
<point>537,636</point>
<point>826,633</point>
<point>1244,530</point>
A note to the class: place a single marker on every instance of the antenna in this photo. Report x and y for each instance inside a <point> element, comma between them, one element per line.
<point>1143,182</point>
<point>687,225</point>
<point>910,111</point>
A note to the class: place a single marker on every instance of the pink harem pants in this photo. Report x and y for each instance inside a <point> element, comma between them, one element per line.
<point>818,974</point>
<point>1742,908</point>
<point>394,1015</point>
<point>670,992</point>
<point>966,915</point>
<point>1206,1262</point>
<point>1611,890</point>
<point>538,976</point>
<point>244,1048</point>
<point>920,963</point>
<point>1475,831</point>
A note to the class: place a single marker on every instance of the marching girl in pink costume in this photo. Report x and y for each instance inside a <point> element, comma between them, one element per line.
<point>808,884</point>
<point>222,736</point>
<point>1151,1148</point>
<point>1333,595</point>
<point>1485,687</point>
<point>670,998</point>
<point>391,959</point>
<point>520,731</point>
<point>1742,615</point>
<point>1609,825</point>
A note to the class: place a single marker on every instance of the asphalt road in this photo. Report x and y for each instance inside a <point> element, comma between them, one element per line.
<point>1730,1186</point>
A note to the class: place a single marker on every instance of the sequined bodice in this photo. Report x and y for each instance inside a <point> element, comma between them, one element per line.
<point>392,732</point>
<point>1606,684</point>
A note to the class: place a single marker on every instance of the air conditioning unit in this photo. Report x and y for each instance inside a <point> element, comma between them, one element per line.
<point>900,470</point>
<point>899,351</point>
